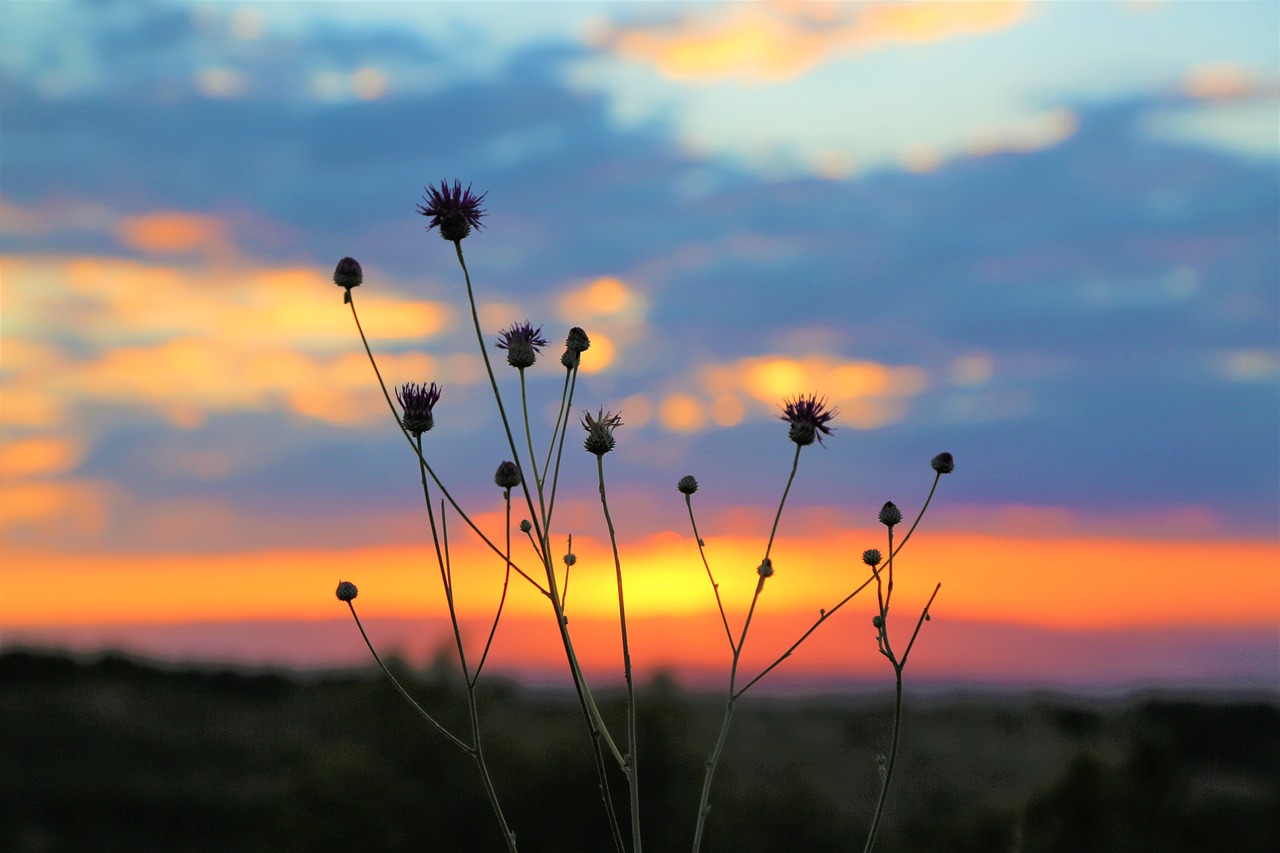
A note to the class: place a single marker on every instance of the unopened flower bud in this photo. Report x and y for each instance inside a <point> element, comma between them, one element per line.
<point>570,559</point>
<point>507,475</point>
<point>687,485</point>
<point>346,591</point>
<point>525,526</point>
<point>871,557</point>
<point>877,622</point>
<point>890,514</point>
<point>577,340</point>
<point>943,463</point>
<point>347,274</point>
<point>765,569</point>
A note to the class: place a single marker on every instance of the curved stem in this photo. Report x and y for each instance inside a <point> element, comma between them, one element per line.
<point>506,581</point>
<point>893,756</point>
<point>405,693</point>
<point>497,395</point>
<point>436,479</point>
<point>795,463</point>
<point>825,615</point>
<point>715,587</point>
<point>630,768</point>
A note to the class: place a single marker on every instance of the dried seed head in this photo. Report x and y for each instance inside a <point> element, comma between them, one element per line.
<point>570,559</point>
<point>877,622</point>
<point>687,485</point>
<point>943,463</point>
<point>600,429</point>
<point>346,591</point>
<point>890,514</point>
<point>871,557</point>
<point>525,526</point>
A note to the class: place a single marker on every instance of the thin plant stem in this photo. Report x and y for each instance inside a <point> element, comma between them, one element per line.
<point>823,617</point>
<point>473,711</point>
<point>924,615</point>
<point>506,581</point>
<point>493,384</point>
<point>631,766</point>
<point>715,587</point>
<point>452,738</point>
<point>564,430</point>
<point>778,517</point>
<point>392,406</point>
<point>562,420</point>
<point>893,756</point>
<point>704,801</point>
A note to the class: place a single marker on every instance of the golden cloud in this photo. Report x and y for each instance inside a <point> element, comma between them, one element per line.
<point>784,40</point>
<point>190,342</point>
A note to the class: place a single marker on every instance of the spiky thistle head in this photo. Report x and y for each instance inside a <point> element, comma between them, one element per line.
<point>418,401</point>
<point>522,343</point>
<point>454,209</point>
<point>600,429</point>
<point>808,416</point>
<point>346,591</point>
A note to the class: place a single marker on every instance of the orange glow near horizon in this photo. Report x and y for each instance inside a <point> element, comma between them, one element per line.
<point>1068,583</point>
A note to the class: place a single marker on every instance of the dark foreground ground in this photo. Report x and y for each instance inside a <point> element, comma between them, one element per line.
<point>115,755</point>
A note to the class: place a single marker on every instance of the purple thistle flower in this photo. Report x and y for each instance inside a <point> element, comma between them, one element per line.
<point>808,417</point>
<point>454,209</point>
<point>417,402</point>
<point>522,343</point>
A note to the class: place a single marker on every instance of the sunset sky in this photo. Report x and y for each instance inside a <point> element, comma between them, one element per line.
<point>1043,236</point>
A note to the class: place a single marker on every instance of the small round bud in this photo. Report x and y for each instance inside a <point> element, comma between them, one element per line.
<point>525,526</point>
<point>570,559</point>
<point>507,476</point>
<point>687,485</point>
<point>346,591</point>
<point>877,622</point>
<point>927,617</point>
<point>890,514</point>
<point>348,273</point>
<point>577,341</point>
<point>765,569</point>
<point>570,359</point>
<point>943,463</point>
<point>871,557</point>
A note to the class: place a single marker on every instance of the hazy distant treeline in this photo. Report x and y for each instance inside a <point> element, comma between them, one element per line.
<point>116,755</point>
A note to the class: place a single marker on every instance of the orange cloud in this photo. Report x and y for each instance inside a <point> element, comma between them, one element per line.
<point>170,231</point>
<point>1227,81</point>
<point>782,41</point>
<point>869,395</point>
<point>39,455</point>
<point>189,342</point>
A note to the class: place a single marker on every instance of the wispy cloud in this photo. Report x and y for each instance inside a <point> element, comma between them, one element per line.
<point>781,41</point>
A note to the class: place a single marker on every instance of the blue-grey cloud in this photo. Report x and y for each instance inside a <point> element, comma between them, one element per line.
<point>1104,277</point>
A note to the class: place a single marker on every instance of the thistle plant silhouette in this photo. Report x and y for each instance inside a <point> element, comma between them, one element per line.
<point>456,213</point>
